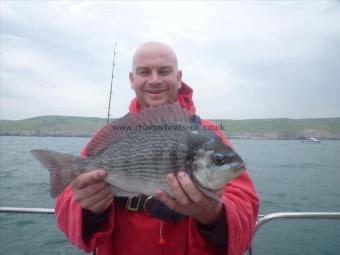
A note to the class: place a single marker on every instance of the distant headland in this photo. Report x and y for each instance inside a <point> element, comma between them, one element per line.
<point>276,129</point>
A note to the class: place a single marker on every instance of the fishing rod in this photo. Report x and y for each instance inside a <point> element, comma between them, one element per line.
<point>112,76</point>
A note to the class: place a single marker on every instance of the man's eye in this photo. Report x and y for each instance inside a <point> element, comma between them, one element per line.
<point>164,72</point>
<point>143,73</point>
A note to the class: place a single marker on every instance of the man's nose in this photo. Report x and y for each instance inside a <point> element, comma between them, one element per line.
<point>154,79</point>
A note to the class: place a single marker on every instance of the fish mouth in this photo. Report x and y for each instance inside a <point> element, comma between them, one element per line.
<point>240,167</point>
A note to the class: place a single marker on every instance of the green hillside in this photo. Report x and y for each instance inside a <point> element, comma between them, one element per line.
<point>264,126</point>
<point>52,124</point>
<point>324,128</point>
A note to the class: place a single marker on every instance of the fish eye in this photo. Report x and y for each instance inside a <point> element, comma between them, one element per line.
<point>218,159</point>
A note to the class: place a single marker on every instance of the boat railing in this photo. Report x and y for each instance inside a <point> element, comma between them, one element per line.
<point>26,210</point>
<point>262,219</point>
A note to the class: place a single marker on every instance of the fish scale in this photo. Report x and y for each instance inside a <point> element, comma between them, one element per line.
<point>147,161</point>
<point>139,158</point>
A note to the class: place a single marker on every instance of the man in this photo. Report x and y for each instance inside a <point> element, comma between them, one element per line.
<point>91,216</point>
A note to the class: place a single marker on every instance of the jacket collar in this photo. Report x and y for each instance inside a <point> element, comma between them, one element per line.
<point>184,97</point>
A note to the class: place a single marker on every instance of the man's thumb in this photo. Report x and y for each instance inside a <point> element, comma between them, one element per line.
<point>88,178</point>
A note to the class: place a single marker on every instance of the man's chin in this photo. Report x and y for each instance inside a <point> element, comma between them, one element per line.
<point>155,103</point>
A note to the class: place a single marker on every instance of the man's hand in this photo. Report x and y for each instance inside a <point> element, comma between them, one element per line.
<point>92,192</point>
<point>190,201</point>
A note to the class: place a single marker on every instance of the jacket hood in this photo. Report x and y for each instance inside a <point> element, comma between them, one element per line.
<point>184,97</point>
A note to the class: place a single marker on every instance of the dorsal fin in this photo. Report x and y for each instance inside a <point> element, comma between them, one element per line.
<point>148,116</point>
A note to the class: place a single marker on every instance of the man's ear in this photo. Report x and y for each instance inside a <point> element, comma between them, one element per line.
<point>132,80</point>
<point>179,78</point>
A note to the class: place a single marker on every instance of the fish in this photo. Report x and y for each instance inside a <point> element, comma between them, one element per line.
<point>139,151</point>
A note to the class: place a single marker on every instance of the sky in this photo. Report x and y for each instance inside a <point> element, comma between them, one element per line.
<point>244,59</point>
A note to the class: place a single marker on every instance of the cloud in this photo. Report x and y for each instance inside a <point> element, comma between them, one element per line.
<point>244,59</point>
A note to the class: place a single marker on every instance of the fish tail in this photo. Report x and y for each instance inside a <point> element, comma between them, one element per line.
<point>63,168</point>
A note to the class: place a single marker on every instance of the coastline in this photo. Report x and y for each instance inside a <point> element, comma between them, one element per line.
<point>229,136</point>
<point>254,129</point>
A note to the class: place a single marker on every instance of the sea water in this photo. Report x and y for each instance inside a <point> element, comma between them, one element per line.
<point>289,176</point>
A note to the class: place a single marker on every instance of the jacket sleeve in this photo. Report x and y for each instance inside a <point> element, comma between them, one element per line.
<point>69,216</point>
<point>241,205</point>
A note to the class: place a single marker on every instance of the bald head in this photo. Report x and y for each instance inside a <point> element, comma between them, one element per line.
<point>155,77</point>
<point>152,50</point>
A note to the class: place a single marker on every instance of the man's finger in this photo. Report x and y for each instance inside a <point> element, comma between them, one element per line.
<point>88,178</point>
<point>177,190</point>
<point>99,195</point>
<point>89,190</point>
<point>167,200</point>
<point>102,204</point>
<point>189,187</point>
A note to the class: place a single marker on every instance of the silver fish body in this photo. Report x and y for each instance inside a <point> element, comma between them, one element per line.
<point>139,159</point>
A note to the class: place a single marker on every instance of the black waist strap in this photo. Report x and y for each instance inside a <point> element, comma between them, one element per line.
<point>150,206</point>
<point>134,204</point>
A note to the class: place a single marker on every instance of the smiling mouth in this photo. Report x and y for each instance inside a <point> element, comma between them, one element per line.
<point>154,91</point>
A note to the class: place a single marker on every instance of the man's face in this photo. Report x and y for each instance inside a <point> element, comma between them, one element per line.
<point>155,77</point>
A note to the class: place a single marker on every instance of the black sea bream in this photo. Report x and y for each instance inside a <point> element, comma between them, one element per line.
<point>139,151</point>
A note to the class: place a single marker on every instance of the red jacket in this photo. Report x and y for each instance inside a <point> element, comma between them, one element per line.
<point>132,233</point>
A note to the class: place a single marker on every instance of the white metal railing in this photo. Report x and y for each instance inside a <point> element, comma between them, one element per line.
<point>26,210</point>
<point>263,219</point>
